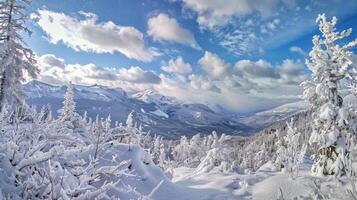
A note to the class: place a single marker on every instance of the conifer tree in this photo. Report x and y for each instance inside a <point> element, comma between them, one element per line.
<point>68,116</point>
<point>15,57</point>
<point>329,63</point>
<point>69,106</point>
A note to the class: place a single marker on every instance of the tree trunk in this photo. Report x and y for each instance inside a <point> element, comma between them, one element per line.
<point>3,75</point>
<point>2,81</point>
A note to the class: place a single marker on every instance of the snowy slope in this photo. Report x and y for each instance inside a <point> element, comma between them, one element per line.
<point>266,118</point>
<point>156,113</point>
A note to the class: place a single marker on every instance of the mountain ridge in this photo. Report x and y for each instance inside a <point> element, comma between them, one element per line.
<point>157,113</point>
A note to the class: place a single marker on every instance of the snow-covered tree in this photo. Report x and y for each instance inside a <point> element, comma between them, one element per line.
<point>291,150</point>
<point>15,58</point>
<point>98,136</point>
<point>220,156</point>
<point>155,147</point>
<point>46,113</point>
<point>280,151</point>
<point>69,106</point>
<point>68,116</point>
<point>181,152</point>
<point>329,63</point>
<point>133,134</point>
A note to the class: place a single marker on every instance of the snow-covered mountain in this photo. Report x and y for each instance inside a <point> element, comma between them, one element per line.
<point>266,118</point>
<point>156,113</point>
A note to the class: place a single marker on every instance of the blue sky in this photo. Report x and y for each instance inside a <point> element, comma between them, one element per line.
<point>242,55</point>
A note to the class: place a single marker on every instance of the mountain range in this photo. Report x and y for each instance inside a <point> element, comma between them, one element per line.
<point>159,114</point>
<point>156,113</point>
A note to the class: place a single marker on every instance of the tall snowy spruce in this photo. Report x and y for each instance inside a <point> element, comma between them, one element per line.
<point>15,58</point>
<point>329,63</point>
<point>68,115</point>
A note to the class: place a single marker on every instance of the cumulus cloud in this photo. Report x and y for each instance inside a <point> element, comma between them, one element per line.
<point>53,70</point>
<point>92,36</point>
<point>288,72</point>
<point>251,69</point>
<point>49,60</point>
<point>163,28</point>
<point>177,66</point>
<point>200,82</point>
<point>137,75</point>
<point>292,72</point>
<point>213,64</point>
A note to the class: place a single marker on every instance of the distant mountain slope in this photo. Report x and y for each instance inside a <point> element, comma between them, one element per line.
<point>159,114</point>
<point>266,118</point>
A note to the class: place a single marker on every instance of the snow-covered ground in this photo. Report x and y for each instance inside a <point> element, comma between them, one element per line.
<point>265,184</point>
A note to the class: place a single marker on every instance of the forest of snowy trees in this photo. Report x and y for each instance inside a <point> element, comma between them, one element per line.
<point>76,157</point>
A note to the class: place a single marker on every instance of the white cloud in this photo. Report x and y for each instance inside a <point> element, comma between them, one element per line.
<point>212,13</point>
<point>261,68</point>
<point>262,75</point>
<point>93,36</point>
<point>200,82</point>
<point>213,64</point>
<point>53,70</point>
<point>292,72</point>
<point>177,66</point>
<point>49,60</point>
<point>298,50</point>
<point>250,85</point>
<point>163,28</point>
<point>137,75</point>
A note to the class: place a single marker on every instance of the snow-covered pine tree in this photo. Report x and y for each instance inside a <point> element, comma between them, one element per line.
<point>68,116</point>
<point>291,151</point>
<point>15,58</point>
<point>69,106</point>
<point>280,151</point>
<point>134,136</point>
<point>329,63</point>
<point>155,148</point>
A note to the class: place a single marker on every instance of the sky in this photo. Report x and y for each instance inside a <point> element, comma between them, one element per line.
<point>237,55</point>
